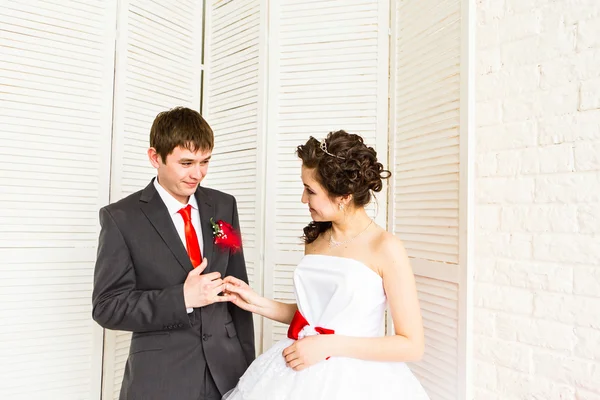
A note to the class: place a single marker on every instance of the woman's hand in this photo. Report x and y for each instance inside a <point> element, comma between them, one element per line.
<point>308,351</point>
<point>242,295</point>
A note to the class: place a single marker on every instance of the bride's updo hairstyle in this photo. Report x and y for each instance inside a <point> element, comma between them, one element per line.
<point>344,165</point>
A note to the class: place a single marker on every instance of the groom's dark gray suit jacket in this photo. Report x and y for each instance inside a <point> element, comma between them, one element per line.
<point>138,287</point>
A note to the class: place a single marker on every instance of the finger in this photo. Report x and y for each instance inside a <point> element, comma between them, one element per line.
<point>202,266</point>
<point>212,276</point>
<point>295,365</point>
<point>291,357</point>
<point>234,289</point>
<point>235,281</point>
<point>288,350</point>
<point>213,284</point>
<point>215,291</point>
<point>224,298</point>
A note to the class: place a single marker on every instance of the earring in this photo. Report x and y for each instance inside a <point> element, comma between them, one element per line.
<point>341,207</point>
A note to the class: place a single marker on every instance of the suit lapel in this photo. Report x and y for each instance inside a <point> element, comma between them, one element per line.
<point>207,210</point>
<point>158,215</point>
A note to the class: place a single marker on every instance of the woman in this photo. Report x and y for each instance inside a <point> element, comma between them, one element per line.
<point>351,269</point>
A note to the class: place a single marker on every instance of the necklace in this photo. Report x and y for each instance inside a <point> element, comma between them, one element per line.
<point>334,243</point>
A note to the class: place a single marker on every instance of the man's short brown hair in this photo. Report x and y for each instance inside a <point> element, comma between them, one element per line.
<point>180,127</point>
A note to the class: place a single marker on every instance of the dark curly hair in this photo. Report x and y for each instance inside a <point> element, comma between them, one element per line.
<point>351,168</point>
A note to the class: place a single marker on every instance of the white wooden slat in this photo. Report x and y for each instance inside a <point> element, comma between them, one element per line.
<point>159,66</point>
<point>426,163</point>
<point>231,107</point>
<point>56,63</point>
<point>327,78</point>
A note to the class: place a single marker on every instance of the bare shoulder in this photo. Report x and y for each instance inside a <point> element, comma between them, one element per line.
<point>391,252</point>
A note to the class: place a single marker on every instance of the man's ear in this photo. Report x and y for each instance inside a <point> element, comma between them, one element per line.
<point>154,157</point>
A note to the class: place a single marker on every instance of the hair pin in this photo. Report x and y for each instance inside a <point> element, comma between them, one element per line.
<point>323,147</point>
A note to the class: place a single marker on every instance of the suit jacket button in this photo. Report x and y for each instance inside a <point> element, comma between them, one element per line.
<point>205,337</point>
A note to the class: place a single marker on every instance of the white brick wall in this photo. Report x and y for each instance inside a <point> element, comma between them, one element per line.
<point>537,278</point>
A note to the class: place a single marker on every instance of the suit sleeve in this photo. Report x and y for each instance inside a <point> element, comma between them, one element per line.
<point>241,319</point>
<point>116,302</point>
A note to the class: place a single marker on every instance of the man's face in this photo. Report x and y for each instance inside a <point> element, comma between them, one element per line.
<point>182,171</point>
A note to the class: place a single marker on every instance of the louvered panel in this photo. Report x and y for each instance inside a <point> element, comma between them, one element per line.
<point>438,369</point>
<point>283,282</point>
<point>328,78</point>
<point>426,162</point>
<point>427,120</point>
<point>232,109</point>
<point>158,68</point>
<point>56,77</point>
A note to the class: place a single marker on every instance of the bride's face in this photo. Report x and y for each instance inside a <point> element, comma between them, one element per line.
<point>321,207</point>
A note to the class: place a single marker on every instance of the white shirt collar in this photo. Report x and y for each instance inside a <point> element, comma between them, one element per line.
<point>173,205</point>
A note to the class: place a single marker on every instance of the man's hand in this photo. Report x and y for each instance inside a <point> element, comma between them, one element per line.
<point>201,290</point>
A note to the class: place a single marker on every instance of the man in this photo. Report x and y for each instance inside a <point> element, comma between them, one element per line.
<point>158,273</point>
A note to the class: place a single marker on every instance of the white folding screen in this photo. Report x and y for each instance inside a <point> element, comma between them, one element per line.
<point>327,71</point>
<point>429,197</point>
<point>158,67</point>
<point>233,104</point>
<point>56,62</point>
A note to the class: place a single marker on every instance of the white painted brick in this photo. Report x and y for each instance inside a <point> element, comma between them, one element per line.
<point>558,72</point>
<point>590,95</point>
<point>582,394</point>
<point>539,85</point>
<point>482,394</point>
<point>486,373</point>
<point>574,11</point>
<point>555,158</point>
<point>503,298</point>
<point>587,156</point>
<point>509,82</point>
<point>488,38</point>
<point>586,281</point>
<point>505,245</point>
<point>573,310</point>
<point>521,52</point>
<point>514,383</point>
<point>581,249</point>
<point>556,42</point>
<point>561,218</point>
<point>570,128</point>
<point>547,389</point>
<point>484,322</point>
<point>507,136</point>
<point>557,101</point>
<point>489,113</point>
<point>519,26</point>
<point>506,190</point>
<point>567,188</point>
<point>535,275</point>
<point>487,217</point>
<point>502,353</point>
<point>488,61</point>
<point>486,164</point>
<point>519,108</point>
<point>490,10</point>
<point>588,343</point>
<point>569,370</point>
<point>586,64</point>
<point>588,34</point>
<point>589,218</point>
<point>536,332</point>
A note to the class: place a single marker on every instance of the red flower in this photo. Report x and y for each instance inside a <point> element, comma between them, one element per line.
<point>225,236</point>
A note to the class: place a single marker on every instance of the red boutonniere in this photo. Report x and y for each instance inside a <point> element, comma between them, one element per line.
<point>225,236</point>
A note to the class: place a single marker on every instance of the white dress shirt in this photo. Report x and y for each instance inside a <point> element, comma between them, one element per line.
<point>173,206</point>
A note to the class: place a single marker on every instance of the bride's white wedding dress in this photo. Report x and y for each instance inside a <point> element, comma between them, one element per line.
<point>346,296</point>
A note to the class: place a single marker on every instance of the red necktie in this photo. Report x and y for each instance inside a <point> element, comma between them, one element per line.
<point>191,239</point>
